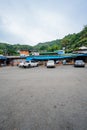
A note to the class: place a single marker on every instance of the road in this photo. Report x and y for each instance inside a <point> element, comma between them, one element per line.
<point>43,99</point>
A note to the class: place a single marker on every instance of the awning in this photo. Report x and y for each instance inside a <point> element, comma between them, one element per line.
<point>50,57</point>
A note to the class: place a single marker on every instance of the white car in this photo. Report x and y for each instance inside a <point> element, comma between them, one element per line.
<point>50,63</point>
<point>21,64</point>
<point>31,63</point>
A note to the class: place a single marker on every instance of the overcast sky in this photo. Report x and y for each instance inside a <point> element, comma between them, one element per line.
<point>34,21</point>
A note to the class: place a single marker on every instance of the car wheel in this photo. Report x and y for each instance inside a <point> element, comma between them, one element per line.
<point>29,66</point>
<point>37,65</point>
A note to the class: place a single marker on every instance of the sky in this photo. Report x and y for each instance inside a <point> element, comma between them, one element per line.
<point>35,21</point>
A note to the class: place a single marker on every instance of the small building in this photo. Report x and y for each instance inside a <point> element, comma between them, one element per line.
<point>35,53</point>
<point>60,52</point>
<point>24,52</point>
<point>14,60</point>
<point>81,50</point>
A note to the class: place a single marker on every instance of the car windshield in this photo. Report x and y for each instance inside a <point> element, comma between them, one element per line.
<point>33,61</point>
<point>51,61</point>
<point>79,61</point>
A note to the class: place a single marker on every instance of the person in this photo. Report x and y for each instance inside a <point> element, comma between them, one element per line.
<point>64,62</point>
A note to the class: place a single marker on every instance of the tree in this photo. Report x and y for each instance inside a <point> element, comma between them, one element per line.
<point>1,51</point>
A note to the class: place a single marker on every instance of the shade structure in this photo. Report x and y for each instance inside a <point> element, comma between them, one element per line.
<point>49,57</point>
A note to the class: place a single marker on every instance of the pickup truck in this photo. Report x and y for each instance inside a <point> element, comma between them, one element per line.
<point>21,64</point>
<point>31,63</point>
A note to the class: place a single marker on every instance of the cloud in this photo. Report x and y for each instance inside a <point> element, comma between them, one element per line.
<point>28,22</point>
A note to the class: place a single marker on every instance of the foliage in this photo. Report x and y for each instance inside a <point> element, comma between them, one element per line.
<point>8,49</point>
<point>71,42</point>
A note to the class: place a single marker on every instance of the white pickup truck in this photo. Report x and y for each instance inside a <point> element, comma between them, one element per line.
<point>31,63</point>
<point>21,64</point>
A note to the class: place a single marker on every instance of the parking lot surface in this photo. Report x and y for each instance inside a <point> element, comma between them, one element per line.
<point>43,99</point>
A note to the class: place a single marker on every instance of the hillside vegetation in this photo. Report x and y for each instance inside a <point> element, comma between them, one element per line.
<point>70,42</point>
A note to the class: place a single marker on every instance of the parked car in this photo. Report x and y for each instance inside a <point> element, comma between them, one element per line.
<point>31,63</point>
<point>50,63</point>
<point>21,64</point>
<point>79,63</point>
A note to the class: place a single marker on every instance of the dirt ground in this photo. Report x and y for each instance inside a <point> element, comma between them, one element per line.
<point>43,99</point>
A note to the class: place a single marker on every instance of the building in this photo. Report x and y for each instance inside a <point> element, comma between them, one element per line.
<point>35,53</point>
<point>61,52</point>
<point>81,50</point>
<point>24,52</point>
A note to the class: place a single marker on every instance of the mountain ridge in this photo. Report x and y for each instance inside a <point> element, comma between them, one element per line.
<point>70,42</point>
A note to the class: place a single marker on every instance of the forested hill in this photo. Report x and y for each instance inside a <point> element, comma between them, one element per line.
<point>70,42</point>
<point>13,49</point>
<point>74,41</point>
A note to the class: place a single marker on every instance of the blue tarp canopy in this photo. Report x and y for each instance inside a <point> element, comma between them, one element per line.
<point>54,57</point>
<point>50,57</point>
<point>29,58</point>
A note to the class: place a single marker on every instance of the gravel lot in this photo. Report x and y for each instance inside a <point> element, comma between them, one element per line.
<point>43,99</point>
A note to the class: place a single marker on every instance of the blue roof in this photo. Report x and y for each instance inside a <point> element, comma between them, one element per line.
<point>53,57</point>
<point>50,57</point>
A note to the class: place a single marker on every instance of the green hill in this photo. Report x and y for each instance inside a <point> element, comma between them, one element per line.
<point>74,41</point>
<point>48,46</point>
<point>71,42</point>
<point>8,49</point>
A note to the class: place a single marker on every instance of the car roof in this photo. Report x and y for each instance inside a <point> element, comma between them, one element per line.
<point>79,60</point>
<point>50,60</point>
